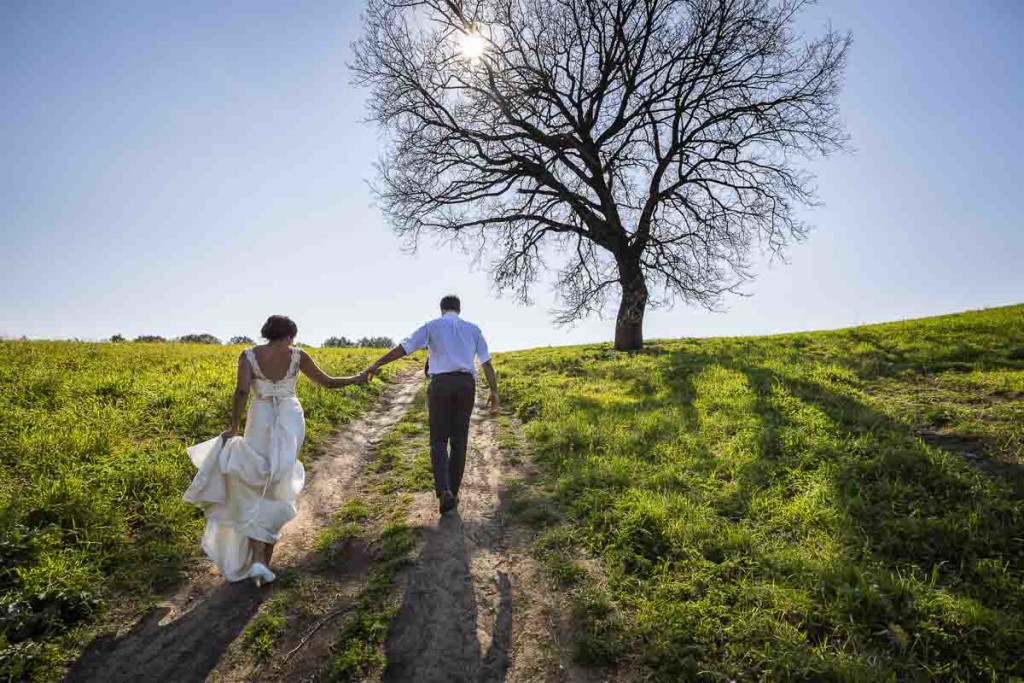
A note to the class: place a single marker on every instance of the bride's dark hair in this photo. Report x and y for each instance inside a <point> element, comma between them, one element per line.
<point>279,327</point>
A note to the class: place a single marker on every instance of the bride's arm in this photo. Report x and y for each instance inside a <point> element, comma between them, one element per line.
<point>311,370</point>
<point>240,397</point>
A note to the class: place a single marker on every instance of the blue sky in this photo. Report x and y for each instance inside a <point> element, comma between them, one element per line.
<point>194,166</point>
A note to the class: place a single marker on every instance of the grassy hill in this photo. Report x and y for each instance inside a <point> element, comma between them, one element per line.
<point>838,505</point>
<point>92,468</point>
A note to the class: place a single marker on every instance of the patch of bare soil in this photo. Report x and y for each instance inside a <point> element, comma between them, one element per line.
<point>184,637</point>
<point>975,452</point>
<point>476,606</point>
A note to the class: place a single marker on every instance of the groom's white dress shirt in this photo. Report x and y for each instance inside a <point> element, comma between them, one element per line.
<point>451,342</point>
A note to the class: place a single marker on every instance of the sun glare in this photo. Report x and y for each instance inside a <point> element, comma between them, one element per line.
<point>472,45</point>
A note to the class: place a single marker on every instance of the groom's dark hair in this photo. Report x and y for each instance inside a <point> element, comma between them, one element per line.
<point>451,303</point>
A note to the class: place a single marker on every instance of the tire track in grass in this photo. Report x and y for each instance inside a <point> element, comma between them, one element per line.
<point>374,585</point>
<point>459,598</point>
<point>477,605</point>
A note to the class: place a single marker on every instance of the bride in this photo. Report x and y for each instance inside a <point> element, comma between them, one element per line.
<point>247,485</point>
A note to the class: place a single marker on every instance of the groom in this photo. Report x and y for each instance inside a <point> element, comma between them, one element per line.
<point>451,343</point>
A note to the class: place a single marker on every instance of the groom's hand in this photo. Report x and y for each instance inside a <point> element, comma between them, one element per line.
<point>493,401</point>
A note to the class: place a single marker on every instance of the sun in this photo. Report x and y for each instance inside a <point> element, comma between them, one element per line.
<point>472,45</point>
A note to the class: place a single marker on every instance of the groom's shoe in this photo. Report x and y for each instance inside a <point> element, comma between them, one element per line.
<point>447,502</point>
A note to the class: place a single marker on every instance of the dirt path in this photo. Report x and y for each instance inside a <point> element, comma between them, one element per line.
<point>475,603</point>
<point>476,606</point>
<point>183,638</point>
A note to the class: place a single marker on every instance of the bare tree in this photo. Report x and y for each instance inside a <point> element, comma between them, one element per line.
<point>651,143</point>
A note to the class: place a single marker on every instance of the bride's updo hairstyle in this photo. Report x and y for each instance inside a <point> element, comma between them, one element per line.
<point>279,327</point>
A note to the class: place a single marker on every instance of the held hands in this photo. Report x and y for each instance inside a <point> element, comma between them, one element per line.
<point>228,433</point>
<point>361,378</point>
<point>339,382</point>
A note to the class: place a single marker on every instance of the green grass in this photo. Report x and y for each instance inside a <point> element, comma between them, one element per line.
<point>92,448</point>
<point>403,455</point>
<point>818,506</point>
<point>358,651</point>
<point>348,523</point>
<point>261,635</point>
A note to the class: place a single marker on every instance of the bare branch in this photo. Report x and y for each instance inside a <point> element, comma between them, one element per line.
<point>647,142</point>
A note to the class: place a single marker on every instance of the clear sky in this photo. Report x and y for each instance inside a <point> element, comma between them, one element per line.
<point>195,166</point>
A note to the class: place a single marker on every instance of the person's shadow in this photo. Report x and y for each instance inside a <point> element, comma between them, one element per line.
<point>189,647</point>
<point>186,649</point>
<point>435,636</point>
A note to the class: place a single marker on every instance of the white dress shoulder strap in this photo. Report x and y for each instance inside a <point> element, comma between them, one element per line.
<point>250,355</point>
<point>293,368</point>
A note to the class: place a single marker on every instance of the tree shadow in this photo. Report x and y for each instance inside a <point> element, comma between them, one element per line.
<point>435,636</point>
<point>851,416</point>
<point>923,536</point>
<point>903,505</point>
<point>973,448</point>
<point>888,545</point>
<point>876,488</point>
<point>909,505</point>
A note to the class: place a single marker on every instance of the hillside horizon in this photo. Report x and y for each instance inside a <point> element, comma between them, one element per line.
<point>652,340</point>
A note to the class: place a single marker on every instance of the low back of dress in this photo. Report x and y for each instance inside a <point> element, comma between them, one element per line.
<point>268,388</point>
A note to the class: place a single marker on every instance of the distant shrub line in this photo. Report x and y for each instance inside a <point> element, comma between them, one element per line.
<point>207,338</point>
<point>361,343</point>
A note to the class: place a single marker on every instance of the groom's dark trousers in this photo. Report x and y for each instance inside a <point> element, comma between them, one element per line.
<point>450,400</point>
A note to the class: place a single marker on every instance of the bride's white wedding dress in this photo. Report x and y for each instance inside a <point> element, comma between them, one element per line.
<point>247,486</point>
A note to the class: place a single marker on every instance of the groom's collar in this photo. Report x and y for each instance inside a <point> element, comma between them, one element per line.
<point>447,313</point>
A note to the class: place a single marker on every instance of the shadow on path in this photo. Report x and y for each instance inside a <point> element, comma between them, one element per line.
<point>436,636</point>
<point>186,649</point>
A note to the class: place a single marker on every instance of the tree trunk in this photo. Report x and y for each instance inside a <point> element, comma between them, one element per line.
<point>629,324</point>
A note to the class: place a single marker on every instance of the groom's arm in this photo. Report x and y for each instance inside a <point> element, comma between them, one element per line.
<point>492,382</point>
<point>484,354</point>
<point>413,343</point>
<point>392,355</point>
